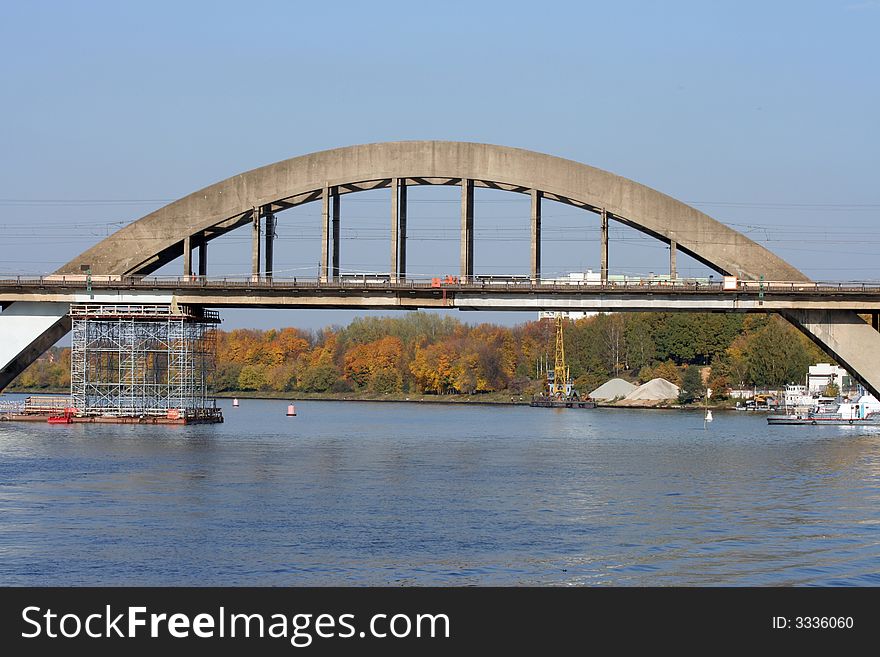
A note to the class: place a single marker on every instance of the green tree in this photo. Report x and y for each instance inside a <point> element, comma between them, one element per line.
<point>640,347</point>
<point>691,385</point>
<point>319,377</point>
<point>776,355</point>
<point>252,377</point>
<point>386,381</point>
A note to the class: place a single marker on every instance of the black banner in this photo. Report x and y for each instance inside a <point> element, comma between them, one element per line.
<point>430,620</point>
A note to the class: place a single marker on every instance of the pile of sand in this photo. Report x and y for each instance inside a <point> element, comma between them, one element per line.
<point>654,390</point>
<point>613,389</point>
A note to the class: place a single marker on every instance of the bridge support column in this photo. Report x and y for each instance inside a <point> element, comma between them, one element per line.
<point>29,328</point>
<point>203,255</point>
<point>467,229</point>
<point>255,245</point>
<point>401,234</point>
<point>270,242</point>
<point>849,339</point>
<point>673,247</point>
<point>187,257</point>
<point>875,321</point>
<point>536,236</point>
<point>325,234</point>
<point>336,200</point>
<point>398,229</point>
<point>395,222</point>
<point>603,267</point>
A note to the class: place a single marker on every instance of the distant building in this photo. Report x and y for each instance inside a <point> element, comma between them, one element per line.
<point>568,314</point>
<point>821,374</point>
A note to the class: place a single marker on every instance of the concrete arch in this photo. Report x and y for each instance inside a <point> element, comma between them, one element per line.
<point>159,237</point>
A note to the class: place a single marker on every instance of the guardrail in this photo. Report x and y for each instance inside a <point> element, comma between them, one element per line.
<point>77,282</point>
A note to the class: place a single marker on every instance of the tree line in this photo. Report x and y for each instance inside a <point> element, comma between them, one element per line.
<point>431,354</point>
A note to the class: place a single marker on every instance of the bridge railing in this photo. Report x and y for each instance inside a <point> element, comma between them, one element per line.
<point>381,281</point>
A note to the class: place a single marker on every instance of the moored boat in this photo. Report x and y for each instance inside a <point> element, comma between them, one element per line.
<point>816,419</point>
<point>865,410</point>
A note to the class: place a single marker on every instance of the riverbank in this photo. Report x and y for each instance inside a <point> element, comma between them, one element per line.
<point>485,399</point>
<point>492,399</point>
<point>482,399</point>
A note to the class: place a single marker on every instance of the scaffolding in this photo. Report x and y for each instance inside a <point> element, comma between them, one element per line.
<point>142,360</point>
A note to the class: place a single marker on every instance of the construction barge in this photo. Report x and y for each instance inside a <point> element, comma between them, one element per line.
<point>59,410</point>
<point>542,401</point>
<point>132,364</point>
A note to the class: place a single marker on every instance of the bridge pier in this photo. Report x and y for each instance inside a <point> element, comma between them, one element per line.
<point>467,228</point>
<point>603,253</point>
<point>673,247</point>
<point>849,339</point>
<point>536,235</point>
<point>28,329</point>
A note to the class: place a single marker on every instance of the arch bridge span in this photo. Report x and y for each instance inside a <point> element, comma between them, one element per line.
<point>254,198</point>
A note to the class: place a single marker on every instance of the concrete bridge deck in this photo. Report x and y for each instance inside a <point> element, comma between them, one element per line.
<point>490,293</point>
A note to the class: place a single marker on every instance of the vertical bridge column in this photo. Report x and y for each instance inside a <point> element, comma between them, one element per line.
<point>673,247</point>
<point>536,235</point>
<point>398,229</point>
<point>203,255</point>
<point>255,245</point>
<point>325,233</point>
<point>467,229</point>
<point>401,231</point>
<point>603,268</point>
<point>187,257</point>
<point>335,197</point>
<point>395,237</point>
<point>270,242</point>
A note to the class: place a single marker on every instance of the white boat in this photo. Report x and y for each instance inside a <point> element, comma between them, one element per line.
<point>865,409</point>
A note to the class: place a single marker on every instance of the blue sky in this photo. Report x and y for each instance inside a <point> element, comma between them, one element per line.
<point>763,114</point>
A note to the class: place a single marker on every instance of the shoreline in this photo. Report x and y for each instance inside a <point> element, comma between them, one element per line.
<point>420,399</point>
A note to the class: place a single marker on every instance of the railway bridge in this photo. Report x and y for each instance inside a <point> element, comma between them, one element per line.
<point>118,269</point>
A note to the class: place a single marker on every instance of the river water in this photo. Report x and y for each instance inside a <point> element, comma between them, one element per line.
<point>425,494</point>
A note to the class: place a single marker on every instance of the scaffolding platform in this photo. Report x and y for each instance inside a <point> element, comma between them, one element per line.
<point>141,364</point>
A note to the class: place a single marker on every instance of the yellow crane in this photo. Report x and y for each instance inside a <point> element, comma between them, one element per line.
<point>560,389</point>
<point>561,374</point>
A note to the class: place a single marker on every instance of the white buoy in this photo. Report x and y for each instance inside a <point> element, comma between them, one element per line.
<point>291,410</point>
<point>708,416</point>
<point>235,403</point>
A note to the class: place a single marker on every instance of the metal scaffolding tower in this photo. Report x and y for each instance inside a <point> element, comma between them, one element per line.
<point>141,360</point>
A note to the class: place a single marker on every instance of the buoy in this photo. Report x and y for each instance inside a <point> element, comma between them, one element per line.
<point>291,410</point>
<point>708,416</point>
<point>235,402</point>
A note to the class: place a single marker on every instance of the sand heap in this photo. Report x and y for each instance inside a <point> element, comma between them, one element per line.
<point>652,392</point>
<point>612,389</point>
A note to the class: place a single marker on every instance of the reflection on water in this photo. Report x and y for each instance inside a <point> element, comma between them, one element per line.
<point>371,493</point>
